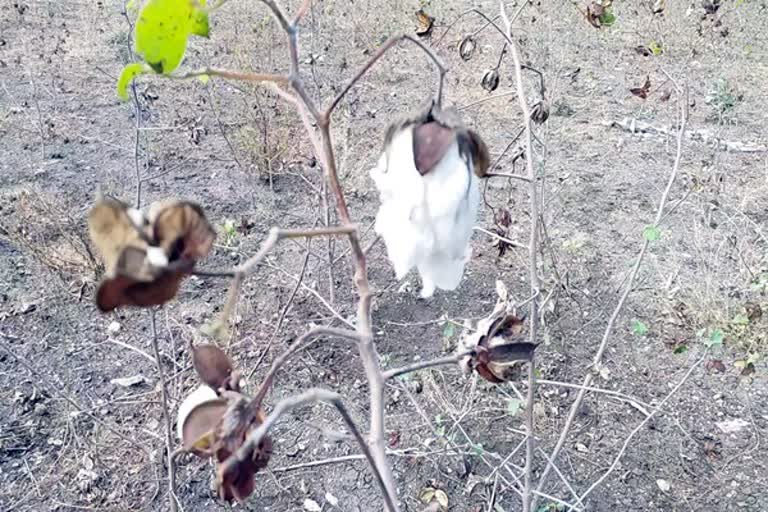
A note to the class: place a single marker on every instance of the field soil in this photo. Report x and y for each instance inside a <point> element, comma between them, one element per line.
<point>72,437</point>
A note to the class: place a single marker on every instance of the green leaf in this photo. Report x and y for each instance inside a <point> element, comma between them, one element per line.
<point>513,406</point>
<point>680,349</point>
<point>741,319</point>
<point>715,338</point>
<point>204,78</point>
<point>607,18</point>
<point>656,48</point>
<point>200,21</point>
<point>639,328</point>
<point>651,233</point>
<point>127,75</point>
<point>449,330</point>
<point>162,31</point>
<point>478,449</point>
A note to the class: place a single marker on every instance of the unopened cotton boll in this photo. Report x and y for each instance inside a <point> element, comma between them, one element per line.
<point>427,178</point>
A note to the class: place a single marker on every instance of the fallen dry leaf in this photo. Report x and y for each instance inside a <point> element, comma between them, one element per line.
<point>715,365</point>
<point>642,92</point>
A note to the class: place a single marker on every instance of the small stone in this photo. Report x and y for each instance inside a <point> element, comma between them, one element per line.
<point>114,328</point>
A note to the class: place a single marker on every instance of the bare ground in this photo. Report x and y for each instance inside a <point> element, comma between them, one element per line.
<point>62,131</point>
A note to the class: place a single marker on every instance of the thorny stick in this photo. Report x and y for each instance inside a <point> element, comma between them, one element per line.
<point>290,403</point>
<point>166,416</point>
<point>533,250</point>
<point>683,103</point>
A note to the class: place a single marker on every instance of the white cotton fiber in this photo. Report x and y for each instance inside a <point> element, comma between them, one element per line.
<point>426,221</point>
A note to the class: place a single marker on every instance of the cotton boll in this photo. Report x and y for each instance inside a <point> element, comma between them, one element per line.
<point>429,194</point>
<point>200,395</point>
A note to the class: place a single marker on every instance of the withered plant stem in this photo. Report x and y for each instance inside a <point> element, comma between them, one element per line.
<point>533,250</point>
<point>683,103</point>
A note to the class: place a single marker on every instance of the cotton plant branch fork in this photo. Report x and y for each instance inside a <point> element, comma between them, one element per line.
<point>683,103</point>
<point>323,146</point>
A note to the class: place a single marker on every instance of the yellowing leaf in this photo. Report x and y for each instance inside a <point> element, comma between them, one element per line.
<point>162,31</point>
<point>127,75</point>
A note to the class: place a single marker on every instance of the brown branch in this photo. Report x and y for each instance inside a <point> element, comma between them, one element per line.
<point>290,403</point>
<point>683,103</point>
<point>533,250</point>
<point>441,69</point>
<point>242,76</point>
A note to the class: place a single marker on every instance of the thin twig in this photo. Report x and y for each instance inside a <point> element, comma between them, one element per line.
<point>243,76</point>
<point>295,290</point>
<point>421,365</point>
<point>683,103</point>
<point>441,69</point>
<point>275,236</point>
<point>533,250</point>
<point>499,237</point>
<point>641,425</point>
<point>315,294</point>
<point>137,113</point>
<point>290,403</point>
<point>166,416</point>
<point>135,349</point>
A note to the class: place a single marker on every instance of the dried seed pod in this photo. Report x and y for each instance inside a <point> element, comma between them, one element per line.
<point>181,229</point>
<point>235,477</point>
<point>490,80</point>
<point>540,112</point>
<point>213,367</point>
<point>199,415</point>
<point>134,281</point>
<point>146,258</point>
<point>496,357</point>
<point>113,226</point>
<point>467,47</point>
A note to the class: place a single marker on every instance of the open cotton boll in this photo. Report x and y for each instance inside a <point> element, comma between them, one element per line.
<point>200,395</point>
<point>426,221</point>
